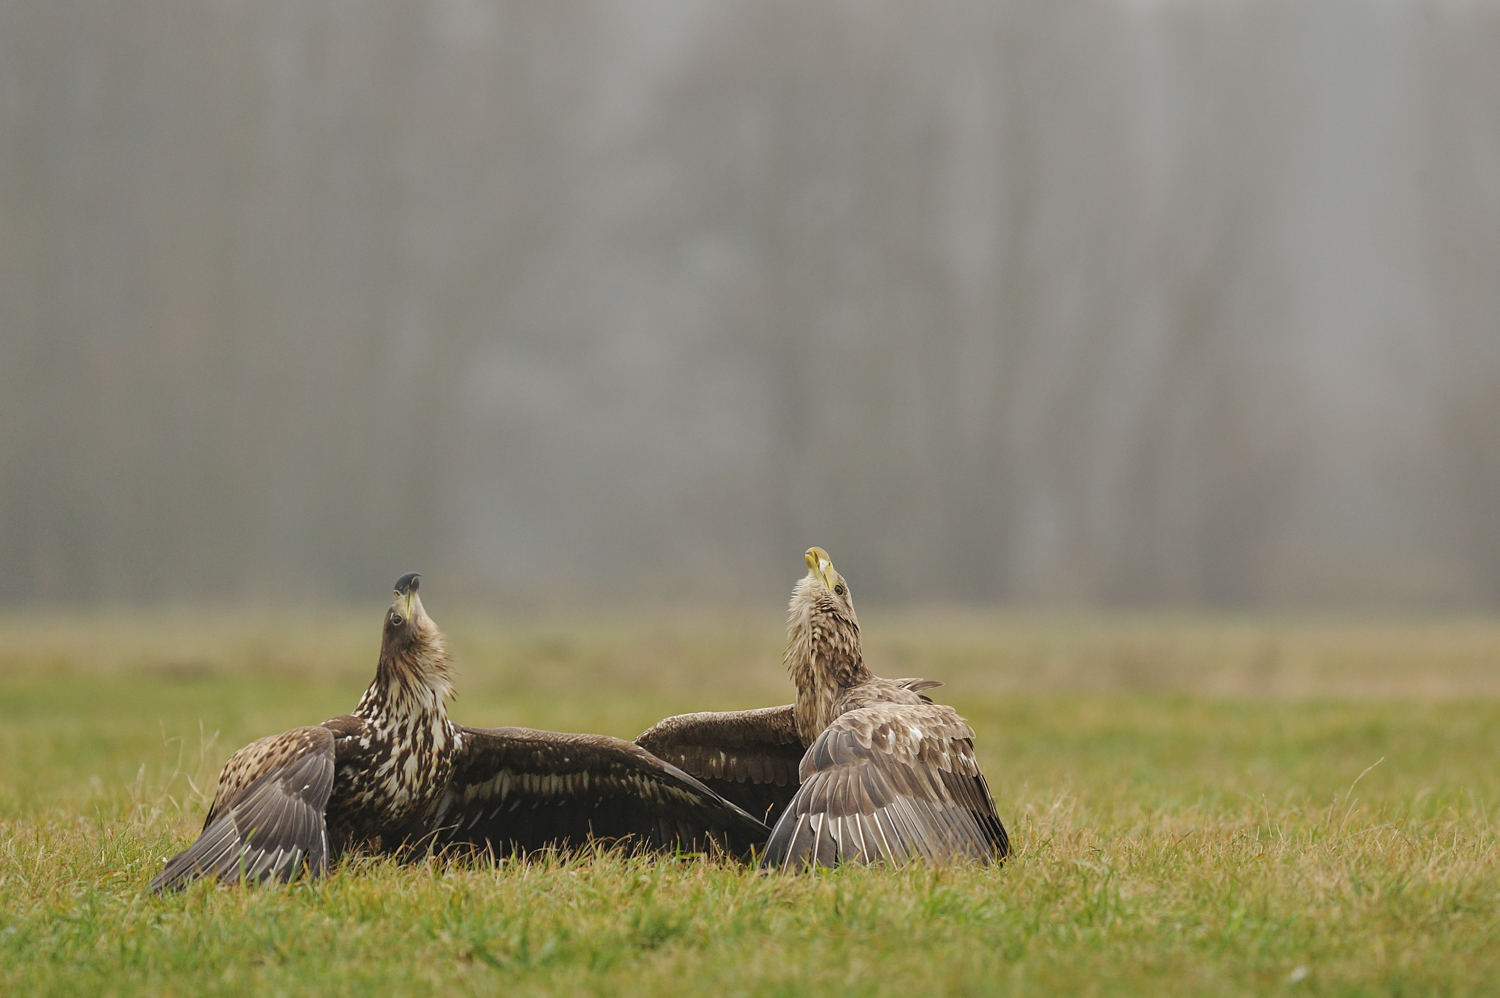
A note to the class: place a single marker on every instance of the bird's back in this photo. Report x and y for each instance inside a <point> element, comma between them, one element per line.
<point>875,691</point>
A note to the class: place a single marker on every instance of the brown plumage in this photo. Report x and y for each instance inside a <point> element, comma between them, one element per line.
<point>882,774</point>
<point>747,756</point>
<point>396,773</point>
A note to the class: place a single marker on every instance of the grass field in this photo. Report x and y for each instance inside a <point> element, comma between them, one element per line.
<point>1200,806</point>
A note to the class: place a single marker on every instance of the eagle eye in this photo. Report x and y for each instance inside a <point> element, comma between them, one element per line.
<point>839,589</point>
<point>395,619</point>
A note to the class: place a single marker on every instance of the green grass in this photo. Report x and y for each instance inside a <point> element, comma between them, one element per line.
<point>1193,803</point>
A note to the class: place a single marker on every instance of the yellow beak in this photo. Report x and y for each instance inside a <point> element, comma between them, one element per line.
<point>820,565</point>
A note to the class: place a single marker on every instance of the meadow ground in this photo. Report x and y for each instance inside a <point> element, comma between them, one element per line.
<point>1200,806</point>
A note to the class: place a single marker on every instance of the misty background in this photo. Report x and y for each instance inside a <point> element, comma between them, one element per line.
<point>1108,302</point>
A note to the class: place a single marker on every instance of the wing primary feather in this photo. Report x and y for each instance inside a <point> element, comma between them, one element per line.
<point>857,838</point>
<point>889,851</point>
<point>794,834</point>
<point>847,849</point>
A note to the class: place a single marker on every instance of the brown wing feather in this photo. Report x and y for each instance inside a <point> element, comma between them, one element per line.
<point>747,756</point>
<point>889,783</point>
<point>267,820</point>
<point>518,790</point>
<point>918,685</point>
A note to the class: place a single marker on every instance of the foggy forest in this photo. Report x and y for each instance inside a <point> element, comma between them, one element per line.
<point>1077,302</point>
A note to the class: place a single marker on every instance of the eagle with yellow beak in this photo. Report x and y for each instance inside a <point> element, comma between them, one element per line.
<point>859,769</point>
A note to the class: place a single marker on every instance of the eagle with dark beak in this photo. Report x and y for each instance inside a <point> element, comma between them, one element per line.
<point>859,769</point>
<point>397,774</point>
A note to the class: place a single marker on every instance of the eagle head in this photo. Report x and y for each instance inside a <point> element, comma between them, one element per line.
<point>823,589</point>
<point>411,646</point>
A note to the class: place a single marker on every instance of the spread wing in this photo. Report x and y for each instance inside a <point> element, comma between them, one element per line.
<point>518,790</point>
<point>892,783</point>
<point>747,756</point>
<point>267,821</point>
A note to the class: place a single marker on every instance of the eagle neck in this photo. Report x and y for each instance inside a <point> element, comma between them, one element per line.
<point>408,693</point>
<point>824,659</point>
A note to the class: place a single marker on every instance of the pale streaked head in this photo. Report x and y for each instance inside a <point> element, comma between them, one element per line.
<point>820,567</point>
<point>822,590</point>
